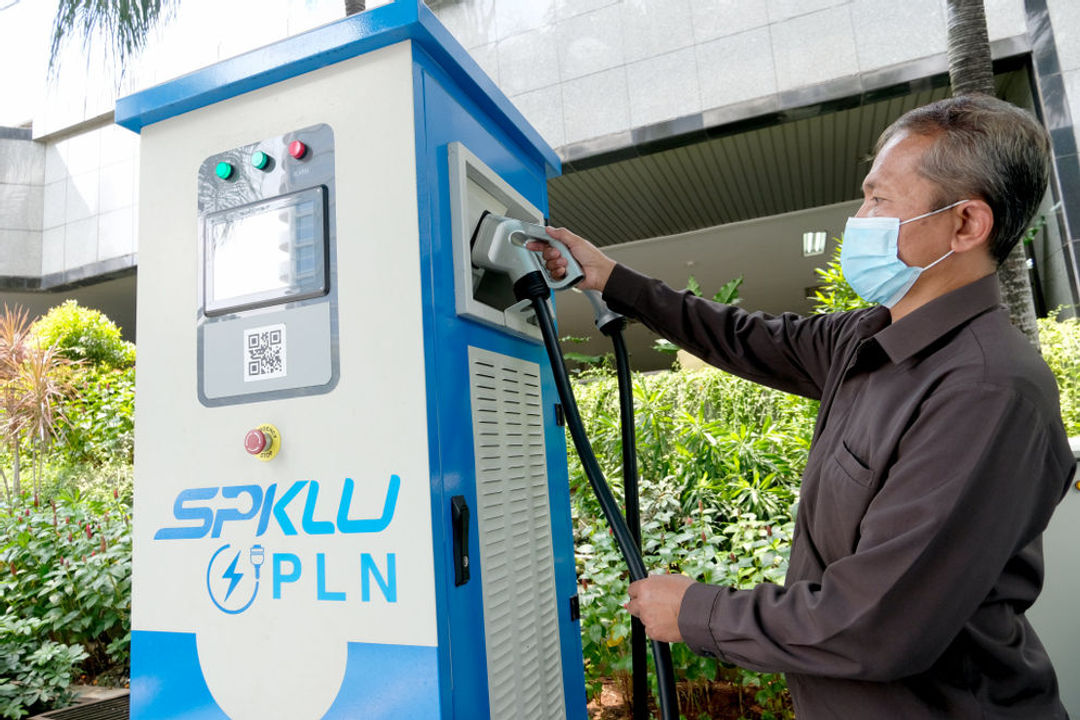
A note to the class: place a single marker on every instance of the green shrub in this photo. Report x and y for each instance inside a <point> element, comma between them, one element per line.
<point>67,565</point>
<point>89,424</point>
<point>834,293</point>
<point>112,482</point>
<point>97,426</point>
<point>34,674</point>
<point>84,334</point>
<point>720,461</point>
<point>711,435</point>
<point>1060,343</point>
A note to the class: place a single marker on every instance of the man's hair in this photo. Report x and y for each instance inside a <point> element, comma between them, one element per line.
<point>983,148</point>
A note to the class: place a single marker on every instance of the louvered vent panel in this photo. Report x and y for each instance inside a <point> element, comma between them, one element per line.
<point>514,525</point>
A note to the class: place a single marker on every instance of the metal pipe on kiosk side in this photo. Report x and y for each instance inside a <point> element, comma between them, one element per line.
<point>665,673</point>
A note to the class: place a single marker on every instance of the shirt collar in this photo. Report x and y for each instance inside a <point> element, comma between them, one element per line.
<point>923,326</point>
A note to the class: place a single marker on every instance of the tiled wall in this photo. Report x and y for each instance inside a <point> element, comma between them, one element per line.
<point>1054,26</point>
<point>89,209</point>
<point>22,172</point>
<point>22,169</point>
<point>1065,19</point>
<point>583,69</point>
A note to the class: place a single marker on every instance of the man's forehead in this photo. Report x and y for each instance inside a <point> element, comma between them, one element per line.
<point>897,161</point>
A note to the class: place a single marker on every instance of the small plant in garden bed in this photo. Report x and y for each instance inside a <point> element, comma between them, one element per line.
<point>33,382</point>
<point>67,401</point>
<point>34,673</point>
<point>738,695</point>
<point>65,584</point>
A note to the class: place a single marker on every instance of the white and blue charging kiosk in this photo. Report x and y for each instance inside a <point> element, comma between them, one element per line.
<point>351,490</point>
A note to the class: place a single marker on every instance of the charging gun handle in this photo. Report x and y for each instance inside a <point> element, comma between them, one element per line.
<point>574,273</point>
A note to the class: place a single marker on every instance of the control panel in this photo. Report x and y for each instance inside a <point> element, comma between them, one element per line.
<point>267,296</point>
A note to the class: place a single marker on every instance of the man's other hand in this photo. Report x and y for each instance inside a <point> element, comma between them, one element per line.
<point>656,601</point>
<point>596,265</point>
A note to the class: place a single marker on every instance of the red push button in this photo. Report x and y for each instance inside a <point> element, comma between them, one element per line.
<point>255,441</point>
<point>297,149</point>
<point>264,442</point>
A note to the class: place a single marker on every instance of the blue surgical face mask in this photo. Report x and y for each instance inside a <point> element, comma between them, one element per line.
<point>871,261</point>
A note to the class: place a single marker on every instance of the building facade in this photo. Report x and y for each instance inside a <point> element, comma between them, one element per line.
<point>699,137</point>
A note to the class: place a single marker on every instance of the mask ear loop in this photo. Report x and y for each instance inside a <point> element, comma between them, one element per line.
<point>935,212</point>
<point>932,212</point>
<point>938,260</point>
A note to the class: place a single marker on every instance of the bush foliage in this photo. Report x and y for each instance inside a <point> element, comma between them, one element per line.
<point>86,429</point>
<point>1060,343</point>
<point>834,294</point>
<point>65,549</point>
<point>34,673</point>
<point>98,423</point>
<point>720,461</point>
<point>84,335</point>
<point>65,596</point>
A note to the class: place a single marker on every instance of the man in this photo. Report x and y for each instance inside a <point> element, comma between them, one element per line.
<point>938,455</point>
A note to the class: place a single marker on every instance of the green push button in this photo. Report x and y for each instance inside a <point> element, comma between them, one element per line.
<point>224,170</point>
<point>260,159</point>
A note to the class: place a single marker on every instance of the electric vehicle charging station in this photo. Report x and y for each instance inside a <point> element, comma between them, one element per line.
<point>351,486</point>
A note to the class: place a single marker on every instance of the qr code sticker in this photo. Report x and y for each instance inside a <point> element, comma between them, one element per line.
<point>264,353</point>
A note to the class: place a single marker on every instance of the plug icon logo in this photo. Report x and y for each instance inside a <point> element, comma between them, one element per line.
<point>228,579</point>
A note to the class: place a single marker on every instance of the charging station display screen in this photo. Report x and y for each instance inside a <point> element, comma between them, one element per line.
<point>266,252</point>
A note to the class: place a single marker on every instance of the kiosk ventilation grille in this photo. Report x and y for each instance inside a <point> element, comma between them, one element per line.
<point>514,525</point>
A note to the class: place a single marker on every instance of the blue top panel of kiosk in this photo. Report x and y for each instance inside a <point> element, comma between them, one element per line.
<point>352,36</point>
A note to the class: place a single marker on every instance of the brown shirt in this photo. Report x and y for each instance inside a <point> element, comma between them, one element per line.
<point>938,458</point>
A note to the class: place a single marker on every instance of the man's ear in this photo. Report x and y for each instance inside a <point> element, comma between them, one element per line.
<point>974,221</point>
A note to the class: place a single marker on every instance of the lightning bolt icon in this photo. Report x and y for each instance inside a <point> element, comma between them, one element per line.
<point>233,576</point>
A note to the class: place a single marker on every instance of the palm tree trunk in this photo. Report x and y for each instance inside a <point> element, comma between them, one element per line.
<point>971,71</point>
<point>970,68</point>
<point>1016,292</point>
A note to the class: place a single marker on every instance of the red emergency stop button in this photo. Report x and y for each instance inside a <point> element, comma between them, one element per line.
<point>297,149</point>
<point>255,441</point>
<point>264,442</point>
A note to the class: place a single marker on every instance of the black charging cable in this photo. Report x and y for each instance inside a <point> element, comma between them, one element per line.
<point>638,661</point>
<point>534,288</point>
<point>612,324</point>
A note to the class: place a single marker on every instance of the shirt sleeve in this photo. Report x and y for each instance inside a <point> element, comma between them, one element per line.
<point>974,484</point>
<point>787,352</point>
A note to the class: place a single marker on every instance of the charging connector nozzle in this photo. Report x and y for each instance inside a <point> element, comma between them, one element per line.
<point>499,243</point>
